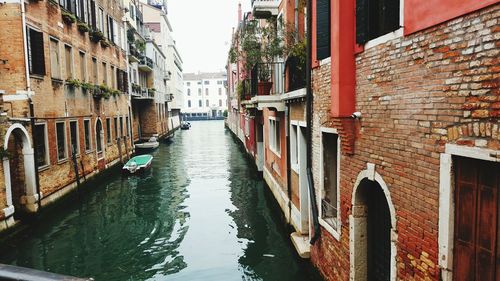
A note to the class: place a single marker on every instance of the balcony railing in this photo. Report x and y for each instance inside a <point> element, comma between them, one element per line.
<point>296,70</point>
<point>267,79</point>
<point>146,64</point>
<point>262,9</point>
<point>169,97</point>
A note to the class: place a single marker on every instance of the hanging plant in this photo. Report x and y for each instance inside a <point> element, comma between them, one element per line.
<point>96,36</point>
<point>86,87</point>
<point>105,43</point>
<point>68,18</point>
<point>131,35</point>
<point>73,83</point>
<point>83,27</point>
<point>140,45</point>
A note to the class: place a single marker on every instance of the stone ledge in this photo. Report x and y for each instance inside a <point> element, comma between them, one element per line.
<point>301,244</point>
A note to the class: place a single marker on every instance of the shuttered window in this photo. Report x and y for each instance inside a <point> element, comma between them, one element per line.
<point>93,21</point>
<point>36,55</point>
<point>477,201</point>
<point>322,29</point>
<point>375,18</point>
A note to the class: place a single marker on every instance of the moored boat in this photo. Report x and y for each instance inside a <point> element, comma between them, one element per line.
<point>138,164</point>
<point>151,144</point>
<point>185,125</point>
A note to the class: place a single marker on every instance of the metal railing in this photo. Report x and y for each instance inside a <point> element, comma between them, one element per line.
<point>273,72</point>
<point>9,272</point>
<point>329,213</point>
<point>146,61</point>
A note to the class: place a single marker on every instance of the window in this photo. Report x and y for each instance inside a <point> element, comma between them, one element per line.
<point>206,82</point>
<point>375,18</point>
<point>247,127</point>
<point>322,29</point>
<point>83,67</point>
<point>274,136</point>
<point>42,151</point>
<point>111,31</point>
<point>188,83</point>
<point>207,103</point>
<point>86,131</point>
<point>113,77</point>
<point>189,92</point>
<point>121,126</point>
<point>330,169</point>
<point>104,71</point>
<point>219,82</point>
<point>200,103</point>
<point>36,57</point>
<point>73,131</point>
<point>294,147</point>
<point>189,103</point>
<point>206,91</point>
<point>55,66</point>
<point>220,91</point>
<point>199,92</point>
<point>101,20</point>
<point>61,140</point>
<point>93,22</point>
<point>98,132</point>
<point>220,102</point>
<point>68,60</point>
<point>81,12</point>
<point>94,71</point>
<point>108,130</point>
<point>199,83</point>
<point>115,121</point>
<point>127,125</point>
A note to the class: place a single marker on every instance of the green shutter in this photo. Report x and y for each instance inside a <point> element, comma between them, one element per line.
<point>322,29</point>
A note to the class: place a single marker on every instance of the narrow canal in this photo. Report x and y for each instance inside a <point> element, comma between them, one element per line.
<point>202,213</point>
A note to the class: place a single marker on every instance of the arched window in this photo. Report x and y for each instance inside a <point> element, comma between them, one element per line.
<point>189,92</point>
<point>200,103</point>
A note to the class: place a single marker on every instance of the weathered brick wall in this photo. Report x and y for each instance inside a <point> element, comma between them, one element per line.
<point>416,94</point>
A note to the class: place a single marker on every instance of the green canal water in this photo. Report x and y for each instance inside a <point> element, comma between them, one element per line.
<point>202,213</point>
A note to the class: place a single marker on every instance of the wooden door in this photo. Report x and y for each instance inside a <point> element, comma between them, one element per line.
<point>476,249</point>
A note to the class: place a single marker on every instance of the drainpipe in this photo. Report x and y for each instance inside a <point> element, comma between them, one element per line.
<point>31,105</point>
<point>309,115</point>
<point>297,18</point>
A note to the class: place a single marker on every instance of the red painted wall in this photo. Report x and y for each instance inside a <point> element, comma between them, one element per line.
<point>420,14</point>
<point>343,85</point>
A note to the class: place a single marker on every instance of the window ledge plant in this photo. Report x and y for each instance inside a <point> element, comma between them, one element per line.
<point>68,18</point>
<point>83,27</point>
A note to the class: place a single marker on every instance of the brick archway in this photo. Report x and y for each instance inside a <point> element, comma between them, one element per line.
<point>359,225</point>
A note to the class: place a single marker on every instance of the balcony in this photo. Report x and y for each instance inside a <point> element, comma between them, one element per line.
<point>134,55</point>
<point>167,75</point>
<point>263,9</point>
<point>169,97</point>
<point>146,64</point>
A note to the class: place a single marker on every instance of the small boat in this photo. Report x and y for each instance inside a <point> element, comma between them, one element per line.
<point>185,125</point>
<point>138,164</point>
<point>151,144</point>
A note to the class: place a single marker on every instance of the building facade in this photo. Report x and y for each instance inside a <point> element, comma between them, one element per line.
<point>204,96</point>
<point>65,83</point>
<point>403,133</point>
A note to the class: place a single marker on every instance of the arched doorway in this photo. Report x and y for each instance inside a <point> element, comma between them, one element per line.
<point>373,249</point>
<point>19,171</point>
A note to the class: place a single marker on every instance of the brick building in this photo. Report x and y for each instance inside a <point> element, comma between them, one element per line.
<point>65,97</point>
<point>404,140</point>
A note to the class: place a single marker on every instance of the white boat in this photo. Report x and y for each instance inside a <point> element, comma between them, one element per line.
<point>151,144</point>
<point>138,164</point>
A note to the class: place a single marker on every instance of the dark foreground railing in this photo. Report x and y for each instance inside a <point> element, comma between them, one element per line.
<point>9,272</point>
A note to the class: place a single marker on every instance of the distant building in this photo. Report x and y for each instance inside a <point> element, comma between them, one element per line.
<point>204,95</point>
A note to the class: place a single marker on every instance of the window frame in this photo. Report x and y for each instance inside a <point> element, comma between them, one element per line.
<point>71,74</point>
<point>109,134</point>
<point>77,136</point>
<point>335,232</point>
<point>65,144</point>
<point>89,134</point>
<point>58,56</point>
<point>274,136</point>
<point>294,147</point>
<point>31,55</point>
<point>46,144</point>
<point>83,66</point>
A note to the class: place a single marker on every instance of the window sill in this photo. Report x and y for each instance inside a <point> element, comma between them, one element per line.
<point>296,168</point>
<point>88,151</point>
<point>384,38</point>
<point>275,152</point>
<point>63,161</point>
<point>329,228</point>
<point>43,168</point>
<point>37,76</point>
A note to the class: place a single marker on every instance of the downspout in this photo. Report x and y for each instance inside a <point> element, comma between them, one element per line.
<point>296,23</point>
<point>309,114</point>
<point>31,105</point>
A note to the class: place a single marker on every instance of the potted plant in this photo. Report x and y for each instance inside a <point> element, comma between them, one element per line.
<point>96,36</point>
<point>68,18</point>
<point>264,86</point>
<point>83,27</point>
<point>73,83</point>
<point>105,43</point>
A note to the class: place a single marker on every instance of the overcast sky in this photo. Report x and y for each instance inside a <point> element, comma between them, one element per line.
<point>202,30</point>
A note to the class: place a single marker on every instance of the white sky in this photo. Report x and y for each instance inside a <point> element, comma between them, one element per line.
<point>202,30</point>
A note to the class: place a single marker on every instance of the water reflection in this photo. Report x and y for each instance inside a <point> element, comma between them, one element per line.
<point>201,214</point>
